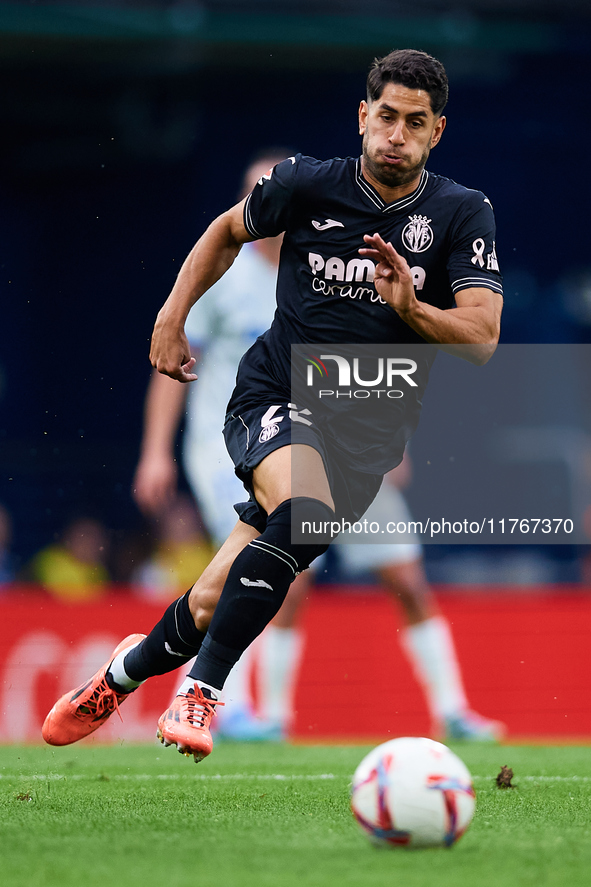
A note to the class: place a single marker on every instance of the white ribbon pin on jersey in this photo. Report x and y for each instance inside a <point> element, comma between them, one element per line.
<point>478,247</point>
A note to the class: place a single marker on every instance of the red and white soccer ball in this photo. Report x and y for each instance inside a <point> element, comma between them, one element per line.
<point>413,792</point>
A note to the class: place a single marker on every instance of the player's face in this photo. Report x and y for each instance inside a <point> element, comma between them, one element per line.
<point>399,129</point>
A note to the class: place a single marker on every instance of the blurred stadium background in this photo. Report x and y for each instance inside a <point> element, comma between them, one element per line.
<point>125,130</point>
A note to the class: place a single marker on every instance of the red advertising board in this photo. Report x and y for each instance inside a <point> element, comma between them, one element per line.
<point>524,655</point>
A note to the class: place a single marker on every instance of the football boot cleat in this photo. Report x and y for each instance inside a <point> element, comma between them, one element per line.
<point>185,723</point>
<point>82,711</point>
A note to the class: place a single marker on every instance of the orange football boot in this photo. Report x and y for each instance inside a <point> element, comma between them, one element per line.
<point>186,724</point>
<point>82,711</point>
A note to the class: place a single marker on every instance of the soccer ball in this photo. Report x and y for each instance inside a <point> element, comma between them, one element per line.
<point>413,792</point>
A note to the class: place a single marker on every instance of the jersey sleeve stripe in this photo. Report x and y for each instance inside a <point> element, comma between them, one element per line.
<point>248,223</point>
<point>466,282</point>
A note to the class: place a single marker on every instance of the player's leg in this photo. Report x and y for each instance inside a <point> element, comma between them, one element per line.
<point>271,664</point>
<point>278,654</point>
<point>174,640</point>
<point>274,656</point>
<point>216,488</point>
<point>428,642</point>
<point>256,585</point>
<point>427,638</point>
<point>281,644</point>
<point>261,574</point>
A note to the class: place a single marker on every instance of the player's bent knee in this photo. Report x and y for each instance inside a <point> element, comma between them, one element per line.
<point>202,603</point>
<point>285,523</point>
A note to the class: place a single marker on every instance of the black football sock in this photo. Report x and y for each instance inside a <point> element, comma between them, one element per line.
<point>256,586</point>
<point>172,642</point>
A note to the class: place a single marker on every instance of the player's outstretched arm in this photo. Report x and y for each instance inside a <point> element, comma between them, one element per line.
<point>474,325</point>
<point>155,481</point>
<point>209,259</point>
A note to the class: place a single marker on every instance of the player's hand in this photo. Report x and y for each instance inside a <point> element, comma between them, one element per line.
<point>170,353</point>
<point>392,278</point>
<point>154,484</point>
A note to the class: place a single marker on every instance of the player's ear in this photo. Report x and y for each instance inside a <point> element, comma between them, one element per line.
<point>438,131</point>
<point>363,109</point>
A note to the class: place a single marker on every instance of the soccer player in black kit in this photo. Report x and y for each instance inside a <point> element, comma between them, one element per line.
<point>376,250</point>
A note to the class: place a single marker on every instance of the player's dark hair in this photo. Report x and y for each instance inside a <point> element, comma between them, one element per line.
<point>413,69</point>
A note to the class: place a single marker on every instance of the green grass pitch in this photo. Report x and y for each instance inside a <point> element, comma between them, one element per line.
<point>275,816</point>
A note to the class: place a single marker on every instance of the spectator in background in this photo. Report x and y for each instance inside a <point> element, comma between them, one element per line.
<point>74,568</point>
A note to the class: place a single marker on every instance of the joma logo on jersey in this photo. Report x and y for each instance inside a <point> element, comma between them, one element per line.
<point>355,270</point>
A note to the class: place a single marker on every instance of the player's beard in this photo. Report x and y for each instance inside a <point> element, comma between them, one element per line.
<point>392,177</point>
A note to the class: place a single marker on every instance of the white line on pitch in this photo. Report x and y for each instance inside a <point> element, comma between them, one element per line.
<point>164,776</point>
<point>229,777</point>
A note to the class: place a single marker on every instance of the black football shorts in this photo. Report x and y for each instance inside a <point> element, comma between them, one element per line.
<point>254,433</point>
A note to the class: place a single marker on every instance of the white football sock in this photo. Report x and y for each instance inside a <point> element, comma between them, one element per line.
<point>118,673</point>
<point>189,684</point>
<point>214,692</point>
<point>279,657</point>
<point>430,647</point>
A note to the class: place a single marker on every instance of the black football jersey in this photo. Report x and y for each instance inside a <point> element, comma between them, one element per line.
<point>325,289</point>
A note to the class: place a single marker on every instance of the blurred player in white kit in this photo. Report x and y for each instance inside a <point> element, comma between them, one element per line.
<point>220,329</point>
